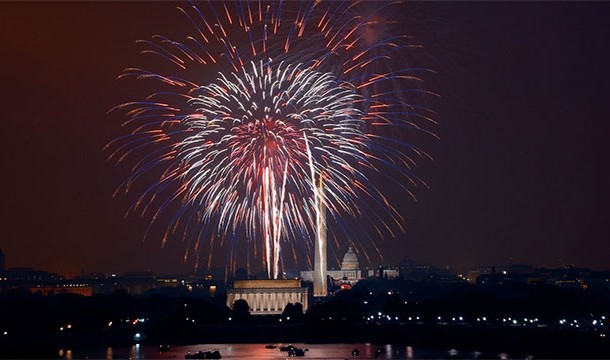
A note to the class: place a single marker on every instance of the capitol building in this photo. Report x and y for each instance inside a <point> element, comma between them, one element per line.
<point>350,272</point>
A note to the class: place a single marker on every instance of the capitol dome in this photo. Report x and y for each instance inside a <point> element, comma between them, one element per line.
<point>350,261</point>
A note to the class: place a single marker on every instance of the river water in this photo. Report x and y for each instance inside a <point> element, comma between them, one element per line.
<point>258,351</point>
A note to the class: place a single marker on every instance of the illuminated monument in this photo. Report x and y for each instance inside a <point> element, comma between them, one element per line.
<point>350,272</point>
<point>267,297</point>
<point>320,263</point>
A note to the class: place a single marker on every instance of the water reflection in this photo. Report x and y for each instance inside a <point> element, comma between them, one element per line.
<point>65,354</point>
<point>409,352</point>
<point>259,351</point>
<point>389,352</point>
<point>135,352</point>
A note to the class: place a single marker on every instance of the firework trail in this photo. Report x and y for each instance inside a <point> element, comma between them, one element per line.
<point>267,100</point>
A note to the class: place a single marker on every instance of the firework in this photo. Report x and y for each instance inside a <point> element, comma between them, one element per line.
<point>270,103</point>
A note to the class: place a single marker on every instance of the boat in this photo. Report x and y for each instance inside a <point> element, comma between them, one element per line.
<point>163,348</point>
<point>270,346</point>
<point>296,352</point>
<point>287,348</point>
<point>204,355</point>
<point>355,352</point>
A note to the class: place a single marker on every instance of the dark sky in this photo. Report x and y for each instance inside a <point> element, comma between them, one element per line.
<point>520,173</point>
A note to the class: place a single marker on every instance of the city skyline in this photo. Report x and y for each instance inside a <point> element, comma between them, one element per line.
<point>519,173</point>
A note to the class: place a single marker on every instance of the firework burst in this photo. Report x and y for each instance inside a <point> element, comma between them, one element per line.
<point>268,101</point>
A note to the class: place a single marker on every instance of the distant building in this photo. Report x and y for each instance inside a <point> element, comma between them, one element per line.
<point>26,275</point>
<point>138,282</point>
<point>350,260</point>
<point>384,273</point>
<point>565,277</point>
<point>409,270</point>
<point>63,287</point>
<point>406,267</point>
<point>42,282</point>
<point>268,297</point>
<point>133,283</point>
<point>350,272</point>
<point>501,278</point>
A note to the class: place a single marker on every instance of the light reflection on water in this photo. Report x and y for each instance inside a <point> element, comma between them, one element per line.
<point>257,351</point>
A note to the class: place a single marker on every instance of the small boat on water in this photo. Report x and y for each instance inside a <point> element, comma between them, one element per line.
<point>287,348</point>
<point>270,346</point>
<point>292,350</point>
<point>355,352</point>
<point>204,355</point>
<point>163,348</point>
<point>296,352</point>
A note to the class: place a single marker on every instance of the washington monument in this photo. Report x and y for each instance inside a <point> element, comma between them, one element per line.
<point>319,276</point>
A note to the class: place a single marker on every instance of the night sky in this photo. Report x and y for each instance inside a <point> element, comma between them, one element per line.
<point>520,174</point>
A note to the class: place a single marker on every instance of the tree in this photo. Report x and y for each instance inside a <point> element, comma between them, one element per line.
<point>293,311</point>
<point>241,310</point>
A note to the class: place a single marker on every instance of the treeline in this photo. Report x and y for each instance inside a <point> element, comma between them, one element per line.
<point>429,300</point>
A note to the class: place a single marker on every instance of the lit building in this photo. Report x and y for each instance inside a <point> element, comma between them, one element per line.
<point>382,272</point>
<point>267,297</point>
<point>66,287</point>
<point>350,270</point>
